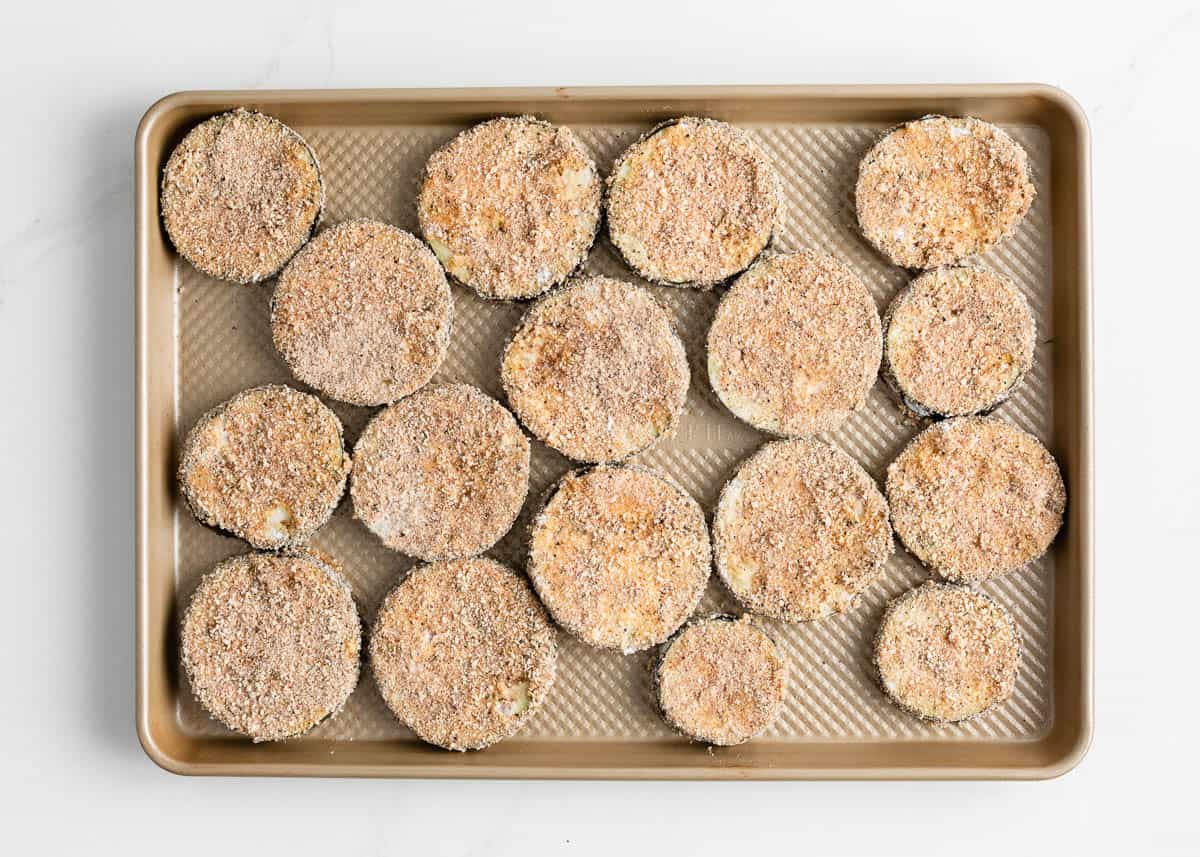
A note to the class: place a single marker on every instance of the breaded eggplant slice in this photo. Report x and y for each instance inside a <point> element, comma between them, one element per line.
<point>362,313</point>
<point>720,680</point>
<point>270,643</point>
<point>511,207</point>
<point>620,556</point>
<point>974,498</point>
<point>241,193</point>
<point>937,190</point>
<point>463,653</point>
<point>693,203</point>
<point>441,474</point>
<point>267,466</point>
<point>800,531</point>
<point>947,653</point>
<point>957,341</point>
<point>596,370</point>
<point>795,344</point>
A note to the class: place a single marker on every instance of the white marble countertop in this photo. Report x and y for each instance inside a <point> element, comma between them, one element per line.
<point>75,779</point>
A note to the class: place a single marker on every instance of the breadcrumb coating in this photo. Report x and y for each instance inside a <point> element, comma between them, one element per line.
<point>241,193</point>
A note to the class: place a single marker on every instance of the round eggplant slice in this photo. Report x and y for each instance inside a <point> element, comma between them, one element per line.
<point>946,653</point>
<point>693,203</point>
<point>974,498</point>
<point>597,370</point>
<point>511,207</point>
<point>795,345</point>
<point>801,531</point>
<point>270,643</point>
<point>720,680</point>
<point>267,466</point>
<point>937,190</point>
<point>958,341</point>
<point>620,556</point>
<point>241,193</point>
<point>463,653</point>
<point>442,474</point>
<point>363,313</point>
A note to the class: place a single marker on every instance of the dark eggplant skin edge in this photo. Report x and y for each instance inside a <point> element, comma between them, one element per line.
<point>699,285</point>
<point>899,601</point>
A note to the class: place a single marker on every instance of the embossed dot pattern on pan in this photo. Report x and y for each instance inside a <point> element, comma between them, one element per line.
<point>374,172</point>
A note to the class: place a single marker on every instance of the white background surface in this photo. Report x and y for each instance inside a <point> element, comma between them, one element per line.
<point>72,777</point>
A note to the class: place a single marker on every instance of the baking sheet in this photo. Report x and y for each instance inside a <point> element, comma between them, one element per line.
<point>221,344</point>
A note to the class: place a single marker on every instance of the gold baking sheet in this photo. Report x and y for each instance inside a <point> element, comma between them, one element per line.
<point>201,341</point>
